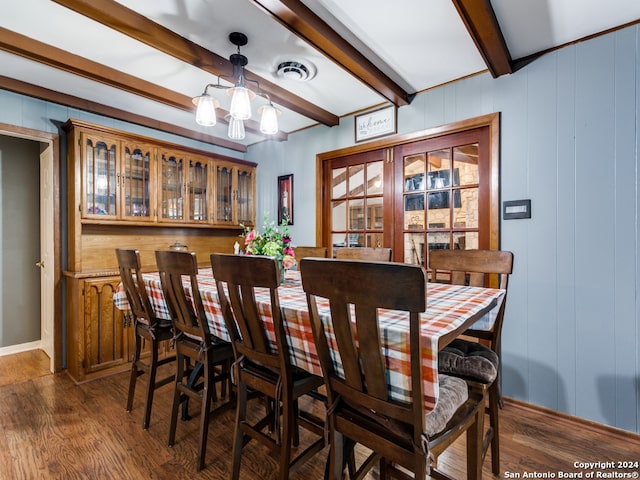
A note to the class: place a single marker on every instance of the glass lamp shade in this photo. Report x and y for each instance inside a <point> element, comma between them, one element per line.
<point>241,102</point>
<point>269,119</point>
<point>206,110</point>
<point>236,128</point>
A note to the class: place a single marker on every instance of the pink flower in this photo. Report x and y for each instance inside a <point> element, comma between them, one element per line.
<point>250,236</point>
<point>288,251</point>
<point>288,261</point>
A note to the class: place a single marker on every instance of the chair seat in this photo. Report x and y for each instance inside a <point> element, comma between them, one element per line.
<point>453,394</point>
<point>468,359</point>
<point>163,330</point>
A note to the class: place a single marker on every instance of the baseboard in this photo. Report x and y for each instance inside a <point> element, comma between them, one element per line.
<point>23,347</point>
<point>574,421</point>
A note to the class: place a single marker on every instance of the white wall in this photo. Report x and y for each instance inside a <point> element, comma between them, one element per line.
<point>570,143</point>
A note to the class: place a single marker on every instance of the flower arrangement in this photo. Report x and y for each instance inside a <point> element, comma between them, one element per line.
<point>274,241</point>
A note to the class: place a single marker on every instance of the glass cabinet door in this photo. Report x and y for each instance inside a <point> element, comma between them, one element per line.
<point>197,190</point>
<point>100,173</point>
<point>245,195</point>
<point>136,182</point>
<point>224,194</point>
<point>171,189</point>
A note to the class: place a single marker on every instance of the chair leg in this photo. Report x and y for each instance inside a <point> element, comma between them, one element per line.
<point>238,436</point>
<point>176,397</point>
<point>134,374</point>
<point>336,455</point>
<point>288,433</point>
<point>208,393</point>
<point>151,383</point>
<point>295,428</point>
<point>475,438</point>
<point>494,404</point>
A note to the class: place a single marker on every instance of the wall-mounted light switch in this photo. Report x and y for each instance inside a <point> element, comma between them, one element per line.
<point>516,209</point>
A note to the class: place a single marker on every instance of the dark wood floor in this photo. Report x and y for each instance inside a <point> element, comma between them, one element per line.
<point>51,428</point>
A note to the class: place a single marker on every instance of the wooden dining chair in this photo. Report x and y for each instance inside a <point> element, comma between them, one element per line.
<point>193,342</point>
<point>480,364</point>
<point>363,253</point>
<point>263,364</point>
<point>302,252</point>
<point>350,349</point>
<point>148,329</point>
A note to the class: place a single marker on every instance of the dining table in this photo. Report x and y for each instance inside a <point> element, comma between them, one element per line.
<point>451,309</point>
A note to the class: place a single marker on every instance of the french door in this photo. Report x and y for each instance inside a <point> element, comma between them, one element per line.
<point>442,198</point>
<point>439,191</point>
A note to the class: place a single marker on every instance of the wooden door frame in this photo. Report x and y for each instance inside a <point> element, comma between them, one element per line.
<point>53,140</point>
<point>491,120</point>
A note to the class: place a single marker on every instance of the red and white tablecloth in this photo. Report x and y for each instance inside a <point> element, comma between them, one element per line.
<point>448,308</point>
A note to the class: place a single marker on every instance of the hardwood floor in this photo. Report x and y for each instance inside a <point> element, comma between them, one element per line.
<point>51,428</point>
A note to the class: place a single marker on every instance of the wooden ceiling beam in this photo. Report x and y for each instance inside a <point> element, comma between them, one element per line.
<point>37,51</point>
<point>482,24</point>
<point>128,22</point>
<point>302,22</point>
<point>46,94</point>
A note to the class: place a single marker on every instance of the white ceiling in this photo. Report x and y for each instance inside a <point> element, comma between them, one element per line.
<point>417,43</point>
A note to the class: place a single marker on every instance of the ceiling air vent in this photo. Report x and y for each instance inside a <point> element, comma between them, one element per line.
<point>296,70</point>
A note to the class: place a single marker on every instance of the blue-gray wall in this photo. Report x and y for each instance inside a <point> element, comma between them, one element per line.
<point>569,142</point>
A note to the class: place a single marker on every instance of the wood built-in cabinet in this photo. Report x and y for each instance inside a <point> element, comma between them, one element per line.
<point>130,191</point>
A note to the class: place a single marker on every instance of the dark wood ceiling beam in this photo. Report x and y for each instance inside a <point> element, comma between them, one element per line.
<point>35,50</point>
<point>482,24</point>
<point>46,94</point>
<point>118,17</point>
<point>305,24</point>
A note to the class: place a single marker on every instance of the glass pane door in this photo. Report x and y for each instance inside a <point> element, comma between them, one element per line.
<point>136,181</point>
<point>357,201</point>
<point>171,187</point>
<point>245,195</point>
<point>100,170</point>
<point>224,193</point>
<point>441,207</point>
<point>197,190</point>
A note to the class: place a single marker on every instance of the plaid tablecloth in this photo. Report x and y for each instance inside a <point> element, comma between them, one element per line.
<point>448,308</point>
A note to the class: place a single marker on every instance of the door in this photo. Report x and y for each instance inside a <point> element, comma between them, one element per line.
<point>444,193</point>
<point>358,188</point>
<point>46,253</point>
<point>20,314</point>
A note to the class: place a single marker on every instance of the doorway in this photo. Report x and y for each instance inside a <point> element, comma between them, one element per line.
<point>31,243</point>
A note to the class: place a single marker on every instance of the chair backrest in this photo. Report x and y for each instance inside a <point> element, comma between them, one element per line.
<point>131,277</point>
<point>478,268</point>
<point>369,286</point>
<point>184,304</point>
<point>363,253</point>
<point>302,252</point>
<point>241,275</point>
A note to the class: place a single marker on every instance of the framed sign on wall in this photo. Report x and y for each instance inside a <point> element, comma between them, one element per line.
<point>377,123</point>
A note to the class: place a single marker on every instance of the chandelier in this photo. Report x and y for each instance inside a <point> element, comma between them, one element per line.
<point>241,96</point>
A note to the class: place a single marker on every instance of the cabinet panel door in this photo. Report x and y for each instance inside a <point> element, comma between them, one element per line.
<point>105,342</point>
<point>198,190</point>
<point>224,193</point>
<point>245,195</point>
<point>100,175</point>
<point>135,182</point>
<point>171,198</point>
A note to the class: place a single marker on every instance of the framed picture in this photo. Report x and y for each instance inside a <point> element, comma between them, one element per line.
<point>285,199</point>
<point>376,123</point>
